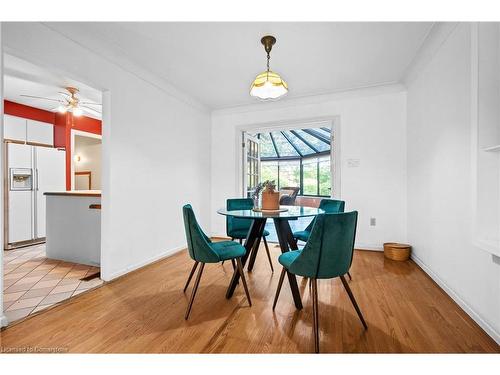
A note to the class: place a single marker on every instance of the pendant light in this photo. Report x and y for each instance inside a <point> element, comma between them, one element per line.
<point>268,85</point>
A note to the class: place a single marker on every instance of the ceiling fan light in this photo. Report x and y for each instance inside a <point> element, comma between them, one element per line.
<point>268,86</point>
<point>77,112</point>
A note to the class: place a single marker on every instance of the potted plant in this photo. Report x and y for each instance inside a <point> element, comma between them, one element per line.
<point>270,197</point>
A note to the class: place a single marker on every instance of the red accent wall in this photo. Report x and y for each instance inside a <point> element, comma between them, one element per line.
<point>63,123</point>
<point>24,111</point>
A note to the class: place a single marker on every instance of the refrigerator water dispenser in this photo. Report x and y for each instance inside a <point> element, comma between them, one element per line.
<point>21,179</point>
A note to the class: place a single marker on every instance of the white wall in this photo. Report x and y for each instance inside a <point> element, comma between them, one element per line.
<point>90,161</point>
<point>372,129</point>
<point>155,155</point>
<point>440,182</point>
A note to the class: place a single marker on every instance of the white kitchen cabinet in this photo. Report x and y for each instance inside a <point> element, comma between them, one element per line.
<point>40,132</point>
<point>14,128</point>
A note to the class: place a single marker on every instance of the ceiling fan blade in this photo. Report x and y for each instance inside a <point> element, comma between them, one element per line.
<point>40,97</point>
<point>90,103</point>
<point>64,93</point>
<point>90,110</point>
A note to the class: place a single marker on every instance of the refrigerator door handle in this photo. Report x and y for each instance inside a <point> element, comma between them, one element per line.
<point>37,186</point>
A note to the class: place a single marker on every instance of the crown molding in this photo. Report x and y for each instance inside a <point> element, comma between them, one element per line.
<point>108,53</point>
<point>358,92</point>
<point>437,35</point>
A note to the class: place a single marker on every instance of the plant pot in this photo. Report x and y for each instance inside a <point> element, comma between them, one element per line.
<point>397,251</point>
<point>270,200</point>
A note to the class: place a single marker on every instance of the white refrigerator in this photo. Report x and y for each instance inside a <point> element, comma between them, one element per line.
<point>31,171</point>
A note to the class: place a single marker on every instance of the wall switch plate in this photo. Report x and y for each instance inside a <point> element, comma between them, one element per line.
<point>352,163</point>
<point>373,221</point>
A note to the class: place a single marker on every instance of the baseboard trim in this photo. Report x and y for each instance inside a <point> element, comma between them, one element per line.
<point>360,246</point>
<point>144,263</point>
<point>460,302</point>
<point>368,246</point>
<point>3,321</point>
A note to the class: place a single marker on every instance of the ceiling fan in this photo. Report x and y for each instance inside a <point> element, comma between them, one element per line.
<point>71,103</point>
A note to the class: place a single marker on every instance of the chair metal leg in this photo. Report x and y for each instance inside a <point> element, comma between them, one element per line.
<point>350,277</point>
<point>315,314</point>
<point>240,270</point>
<point>351,296</point>
<point>241,241</point>
<point>190,275</point>
<point>195,288</point>
<point>280,283</point>
<point>234,264</point>
<point>268,254</point>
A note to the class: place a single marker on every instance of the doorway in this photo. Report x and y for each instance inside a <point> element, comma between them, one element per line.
<point>86,160</point>
<point>300,159</point>
<point>40,114</point>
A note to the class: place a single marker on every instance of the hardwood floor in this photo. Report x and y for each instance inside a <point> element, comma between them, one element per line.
<point>144,312</point>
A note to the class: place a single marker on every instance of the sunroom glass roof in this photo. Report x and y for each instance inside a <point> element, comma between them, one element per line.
<point>294,143</point>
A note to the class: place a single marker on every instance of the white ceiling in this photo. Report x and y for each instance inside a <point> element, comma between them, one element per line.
<point>216,62</point>
<point>24,78</point>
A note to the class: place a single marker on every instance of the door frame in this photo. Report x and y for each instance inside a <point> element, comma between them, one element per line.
<point>333,122</point>
<point>80,133</point>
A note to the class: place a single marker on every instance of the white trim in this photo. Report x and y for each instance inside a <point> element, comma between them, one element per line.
<point>82,133</point>
<point>368,246</point>
<point>474,123</point>
<point>333,122</point>
<point>455,297</point>
<point>435,38</point>
<point>357,246</point>
<point>143,263</point>
<point>375,90</point>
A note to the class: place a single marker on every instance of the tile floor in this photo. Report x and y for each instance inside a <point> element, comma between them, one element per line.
<point>32,282</point>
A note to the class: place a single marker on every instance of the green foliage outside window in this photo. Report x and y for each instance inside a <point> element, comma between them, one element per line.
<point>289,174</point>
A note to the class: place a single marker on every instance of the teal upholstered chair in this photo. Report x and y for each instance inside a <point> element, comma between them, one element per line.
<point>327,254</point>
<point>202,250</point>
<point>330,206</point>
<point>237,228</point>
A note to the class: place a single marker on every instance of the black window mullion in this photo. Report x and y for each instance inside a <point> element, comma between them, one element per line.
<point>301,178</point>
<point>290,141</point>
<point>317,135</point>
<point>317,177</point>
<point>303,140</point>
<point>274,144</point>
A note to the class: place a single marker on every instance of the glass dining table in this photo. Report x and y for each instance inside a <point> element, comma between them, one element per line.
<point>285,238</point>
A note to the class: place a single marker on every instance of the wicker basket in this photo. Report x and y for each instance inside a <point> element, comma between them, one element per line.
<point>397,251</point>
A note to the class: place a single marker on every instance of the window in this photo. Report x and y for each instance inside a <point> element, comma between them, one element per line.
<point>298,158</point>
<point>325,176</point>
<point>316,174</point>
<point>289,173</point>
<point>310,177</point>
<point>252,149</point>
<point>269,171</point>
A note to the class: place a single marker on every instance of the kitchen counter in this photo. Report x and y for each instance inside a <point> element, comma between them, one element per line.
<point>74,226</point>
<point>76,193</point>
